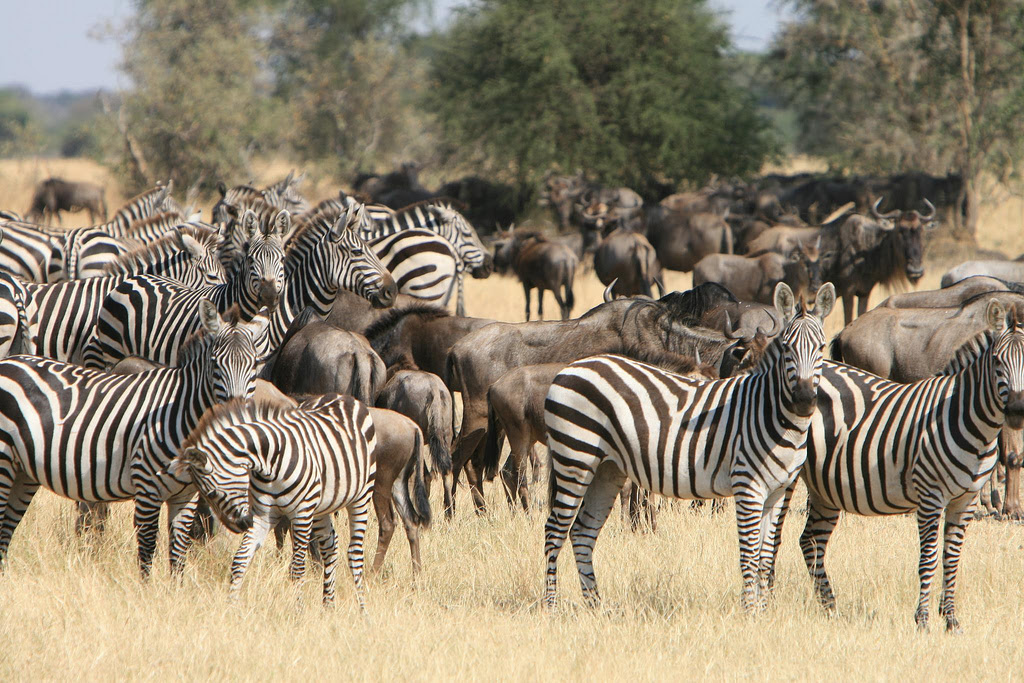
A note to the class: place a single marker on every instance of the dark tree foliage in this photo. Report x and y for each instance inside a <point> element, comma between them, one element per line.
<point>636,93</point>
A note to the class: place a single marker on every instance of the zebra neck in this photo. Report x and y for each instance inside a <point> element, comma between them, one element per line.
<point>977,395</point>
<point>305,285</point>
<point>236,291</point>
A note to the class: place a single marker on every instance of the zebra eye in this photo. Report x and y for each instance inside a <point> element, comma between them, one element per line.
<point>357,251</point>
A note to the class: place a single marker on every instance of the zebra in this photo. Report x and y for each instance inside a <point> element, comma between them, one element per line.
<point>89,435</point>
<point>438,216</point>
<point>61,316</point>
<point>152,228</point>
<point>883,448</point>
<point>36,253</point>
<point>298,464</point>
<point>288,192</point>
<point>423,264</point>
<point>609,418</point>
<point>151,315</point>
<point>323,258</point>
<point>152,202</point>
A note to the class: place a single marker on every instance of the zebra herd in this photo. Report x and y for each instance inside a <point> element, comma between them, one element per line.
<point>211,302</point>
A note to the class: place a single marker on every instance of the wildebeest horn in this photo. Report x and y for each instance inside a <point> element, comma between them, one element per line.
<point>729,331</point>
<point>838,213</point>
<point>931,214</point>
<point>608,296</point>
<point>776,324</point>
<point>874,210</point>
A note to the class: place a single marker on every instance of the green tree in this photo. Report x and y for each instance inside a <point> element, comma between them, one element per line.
<point>636,93</point>
<point>200,105</point>
<point>891,86</point>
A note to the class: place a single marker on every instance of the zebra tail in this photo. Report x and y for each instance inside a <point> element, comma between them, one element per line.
<point>551,476</point>
<point>492,442</point>
<point>440,452</point>
<point>836,349</point>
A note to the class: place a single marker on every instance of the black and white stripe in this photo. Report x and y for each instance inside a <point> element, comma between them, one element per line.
<point>423,264</point>
<point>92,436</point>
<point>298,464</point>
<point>883,448</point>
<point>609,418</point>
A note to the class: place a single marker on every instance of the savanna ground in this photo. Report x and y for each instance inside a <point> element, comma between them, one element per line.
<point>72,608</point>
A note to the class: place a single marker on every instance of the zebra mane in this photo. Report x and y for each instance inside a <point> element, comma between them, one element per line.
<point>969,353</point>
<point>170,218</point>
<point>232,412</point>
<point>309,233</point>
<point>443,202</point>
<point>140,198</point>
<point>137,260</point>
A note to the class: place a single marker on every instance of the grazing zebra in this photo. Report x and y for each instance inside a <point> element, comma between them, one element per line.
<point>440,217</point>
<point>298,464</point>
<point>884,448</point>
<point>150,315</point>
<point>62,316</point>
<point>93,436</point>
<point>423,264</point>
<point>609,418</point>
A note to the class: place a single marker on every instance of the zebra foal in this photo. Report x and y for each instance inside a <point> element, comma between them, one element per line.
<point>609,418</point>
<point>877,447</point>
<point>258,463</point>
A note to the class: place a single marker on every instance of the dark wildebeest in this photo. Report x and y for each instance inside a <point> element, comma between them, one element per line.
<point>629,260</point>
<point>561,194</point>
<point>488,204</point>
<point>753,278</point>
<point>539,264</point>
<point>682,239</point>
<point>482,357</point>
<point>54,195</point>
<point>319,358</point>
<point>424,398</point>
<point>910,344</point>
<point>1007,271</point>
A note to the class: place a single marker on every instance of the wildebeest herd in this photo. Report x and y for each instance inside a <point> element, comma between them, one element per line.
<point>285,361</point>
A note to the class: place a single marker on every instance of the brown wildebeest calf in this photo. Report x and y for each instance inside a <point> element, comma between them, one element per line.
<point>54,195</point>
<point>539,264</point>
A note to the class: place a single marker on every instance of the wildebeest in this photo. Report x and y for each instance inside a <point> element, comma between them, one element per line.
<point>539,264</point>
<point>682,239</point>
<point>480,358</point>
<point>629,260</point>
<point>488,204</point>
<point>1008,271</point>
<point>951,295</point>
<point>54,195</point>
<point>561,194</point>
<point>424,398</point>
<point>753,278</point>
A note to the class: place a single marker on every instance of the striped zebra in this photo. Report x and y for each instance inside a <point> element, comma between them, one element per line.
<point>152,202</point>
<point>609,418</point>
<point>62,316</point>
<point>423,264</point>
<point>151,315</point>
<point>298,464</point>
<point>288,192</point>
<point>36,253</point>
<point>437,215</point>
<point>92,436</point>
<point>150,229</point>
<point>883,448</point>
<point>322,260</point>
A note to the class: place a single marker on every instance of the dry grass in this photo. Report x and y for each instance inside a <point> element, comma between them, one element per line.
<point>671,610</point>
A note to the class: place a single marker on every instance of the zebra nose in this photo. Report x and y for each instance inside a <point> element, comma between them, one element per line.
<point>386,294</point>
<point>245,521</point>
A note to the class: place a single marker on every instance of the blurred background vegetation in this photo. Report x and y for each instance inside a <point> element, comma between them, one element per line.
<point>650,94</point>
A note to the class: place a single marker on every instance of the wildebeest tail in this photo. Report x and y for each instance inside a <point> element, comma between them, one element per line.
<point>727,246</point>
<point>440,452</point>
<point>570,274</point>
<point>492,441</point>
<point>409,491</point>
<point>836,349</point>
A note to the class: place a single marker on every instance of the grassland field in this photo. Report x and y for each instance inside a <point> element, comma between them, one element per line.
<point>76,608</point>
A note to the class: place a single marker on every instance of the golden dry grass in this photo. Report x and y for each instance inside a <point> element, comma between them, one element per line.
<point>69,609</point>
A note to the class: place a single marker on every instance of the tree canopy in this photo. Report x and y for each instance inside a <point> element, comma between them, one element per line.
<point>637,93</point>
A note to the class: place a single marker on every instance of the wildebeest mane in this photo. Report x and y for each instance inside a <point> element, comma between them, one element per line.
<point>667,360</point>
<point>382,333</point>
<point>694,303</point>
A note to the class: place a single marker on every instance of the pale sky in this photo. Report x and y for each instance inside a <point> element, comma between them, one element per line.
<point>47,44</point>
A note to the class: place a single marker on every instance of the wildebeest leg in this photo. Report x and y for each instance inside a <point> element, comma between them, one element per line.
<point>513,477</point>
<point>526,292</point>
<point>475,475</point>
<point>1012,442</point>
<point>92,517</point>
<point>385,522</point>
<point>862,304</point>
<point>561,303</point>
<point>540,303</point>
<point>847,308</point>
<point>467,444</point>
<point>641,511</point>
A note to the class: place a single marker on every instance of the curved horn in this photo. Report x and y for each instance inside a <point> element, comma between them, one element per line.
<point>608,296</point>
<point>931,214</point>
<point>839,213</point>
<point>729,331</point>
<point>874,210</point>
<point>776,324</point>
<point>696,357</point>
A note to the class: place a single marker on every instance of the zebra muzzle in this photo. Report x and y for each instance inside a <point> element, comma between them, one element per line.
<point>1015,410</point>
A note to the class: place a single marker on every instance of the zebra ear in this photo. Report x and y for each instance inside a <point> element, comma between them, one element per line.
<point>189,458</point>
<point>825,300</point>
<point>282,224</point>
<point>209,316</point>
<point>785,302</point>
<point>249,223</point>
<point>339,227</point>
<point>995,314</point>
<point>190,244</point>
<point>222,188</point>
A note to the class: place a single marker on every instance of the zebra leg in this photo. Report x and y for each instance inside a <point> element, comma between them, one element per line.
<point>750,513</point>
<point>19,497</point>
<point>251,542</point>
<point>958,515</point>
<point>327,541</point>
<point>568,485</point>
<point>302,531</point>
<point>770,544</point>
<point>526,292</point>
<point>147,526</point>
<point>181,511</point>
<point>821,522</point>
<point>597,505</point>
<point>358,515</point>
<point>460,302</point>
<point>928,514</point>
